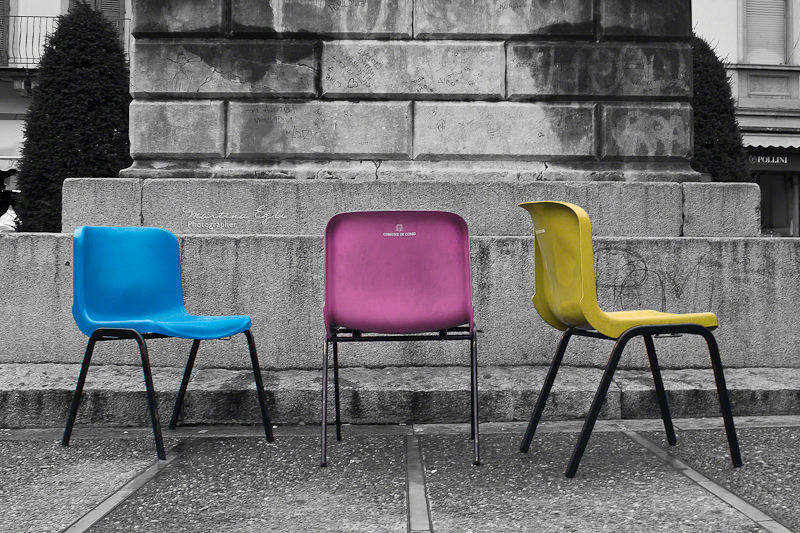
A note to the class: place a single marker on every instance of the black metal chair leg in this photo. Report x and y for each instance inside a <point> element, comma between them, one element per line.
<point>660,391</point>
<point>597,403</point>
<point>187,374</point>
<point>262,399</point>
<point>474,395</point>
<point>336,400</point>
<point>76,398</point>
<point>545,392</point>
<point>724,399</point>
<point>324,437</point>
<point>151,395</point>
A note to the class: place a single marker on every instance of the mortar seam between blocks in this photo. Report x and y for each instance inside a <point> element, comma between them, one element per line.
<point>729,498</point>
<point>419,517</point>
<point>105,507</point>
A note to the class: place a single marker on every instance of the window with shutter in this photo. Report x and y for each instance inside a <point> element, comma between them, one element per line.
<point>765,31</point>
<point>114,10</point>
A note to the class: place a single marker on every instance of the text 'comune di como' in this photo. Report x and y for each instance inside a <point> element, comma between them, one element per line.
<point>400,234</point>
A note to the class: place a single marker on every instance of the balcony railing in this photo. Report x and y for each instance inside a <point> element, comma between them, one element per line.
<point>22,39</point>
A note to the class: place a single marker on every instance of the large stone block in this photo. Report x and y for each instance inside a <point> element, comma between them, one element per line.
<point>632,132</point>
<point>178,17</point>
<point>220,68</point>
<point>334,18</point>
<point>361,130</point>
<point>177,130</point>
<point>502,18</point>
<point>413,69</point>
<point>503,130</point>
<point>721,209</point>
<point>589,69</point>
<point>303,207</point>
<point>100,202</point>
<point>667,19</point>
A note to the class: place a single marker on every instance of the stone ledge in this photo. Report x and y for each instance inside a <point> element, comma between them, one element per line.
<point>38,395</point>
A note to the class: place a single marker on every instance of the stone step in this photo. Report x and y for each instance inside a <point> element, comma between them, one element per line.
<point>38,395</point>
<point>489,206</point>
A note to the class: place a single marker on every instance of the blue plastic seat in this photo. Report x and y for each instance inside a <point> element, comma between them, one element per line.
<point>127,285</point>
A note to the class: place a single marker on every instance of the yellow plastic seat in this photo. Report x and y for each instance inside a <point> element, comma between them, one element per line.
<point>566,298</point>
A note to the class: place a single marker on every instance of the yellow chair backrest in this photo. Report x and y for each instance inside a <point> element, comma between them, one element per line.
<point>565,292</point>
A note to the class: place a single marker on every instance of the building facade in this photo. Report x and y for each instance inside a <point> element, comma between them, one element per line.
<point>759,40</point>
<point>24,25</point>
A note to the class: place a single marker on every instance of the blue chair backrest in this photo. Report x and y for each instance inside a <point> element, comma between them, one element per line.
<point>124,274</point>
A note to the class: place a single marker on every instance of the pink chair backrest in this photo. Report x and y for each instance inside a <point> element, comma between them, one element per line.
<point>397,272</point>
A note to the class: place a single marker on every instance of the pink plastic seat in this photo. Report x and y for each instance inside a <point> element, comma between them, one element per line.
<point>396,275</point>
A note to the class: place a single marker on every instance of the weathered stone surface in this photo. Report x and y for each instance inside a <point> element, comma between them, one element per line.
<point>334,18</point>
<point>501,18</point>
<point>721,209</point>
<point>220,68</point>
<point>503,130</point>
<point>646,19</point>
<point>589,69</point>
<point>100,202</point>
<point>646,131</point>
<point>279,282</point>
<point>303,207</point>
<point>175,129</point>
<point>192,17</point>
<point>413,69</point>
<point>320,129</point>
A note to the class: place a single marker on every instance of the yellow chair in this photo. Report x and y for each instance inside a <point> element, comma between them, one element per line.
<point>566,298</point>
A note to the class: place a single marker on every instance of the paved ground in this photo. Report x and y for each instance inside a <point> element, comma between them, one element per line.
<point>403,478</point>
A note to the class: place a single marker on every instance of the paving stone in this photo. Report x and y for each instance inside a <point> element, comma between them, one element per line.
<point>245,484</point>
<point>332,18</point>
<point>613,490</point>
<point>45,487</point>
<point>413,69</point>
<point>177,129</point>
<point>630,69</point>
<point>319,129</point>
<point>168,68</point>
<point>501,18</point>
<point>451,130</point>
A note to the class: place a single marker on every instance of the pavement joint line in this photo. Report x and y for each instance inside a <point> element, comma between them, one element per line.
<point>419,516</point>
<point>750,511</point>
<point>88,520</point>
<point>552,426</point>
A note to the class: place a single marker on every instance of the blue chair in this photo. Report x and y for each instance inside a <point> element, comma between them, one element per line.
<point>127,285</point>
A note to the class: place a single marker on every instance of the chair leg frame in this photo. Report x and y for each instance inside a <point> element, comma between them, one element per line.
<point>474,430</point>
<point>114,334</point>
<point>647,332</point>
<point>262,401</point>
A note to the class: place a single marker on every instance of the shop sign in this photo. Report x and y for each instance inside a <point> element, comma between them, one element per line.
<point>775,162</point>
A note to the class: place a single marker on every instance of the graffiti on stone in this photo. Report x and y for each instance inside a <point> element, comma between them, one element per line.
<point>630,69</point>
<point>644,132</point>
<point>626,279</point>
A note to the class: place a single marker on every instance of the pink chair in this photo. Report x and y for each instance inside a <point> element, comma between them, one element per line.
<point>396,275</point>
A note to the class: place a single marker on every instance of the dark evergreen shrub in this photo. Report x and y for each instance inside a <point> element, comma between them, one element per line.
<point>718,148</point>
<point>77,122</point>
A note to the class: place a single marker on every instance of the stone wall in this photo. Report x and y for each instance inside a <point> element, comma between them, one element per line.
<point>750,283</point>
<point>556,89</point>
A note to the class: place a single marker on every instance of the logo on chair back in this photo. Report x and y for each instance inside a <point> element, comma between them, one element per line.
<point>399,230</point>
